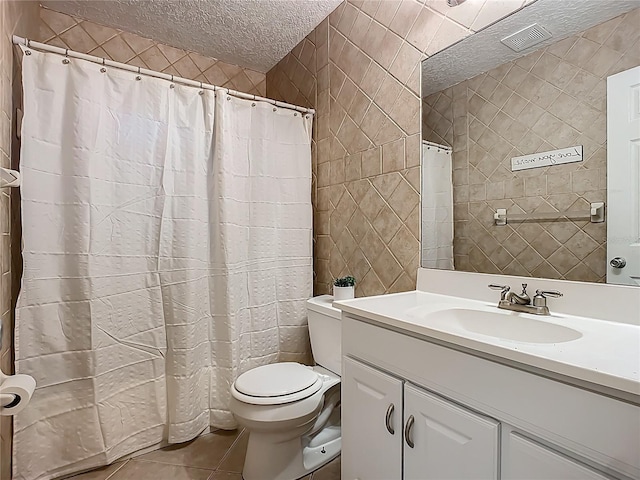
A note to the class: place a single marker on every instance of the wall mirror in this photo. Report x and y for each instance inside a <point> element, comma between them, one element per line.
<point>531,152</point>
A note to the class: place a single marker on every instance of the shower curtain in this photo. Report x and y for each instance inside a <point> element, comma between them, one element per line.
<point>437,207</point>
<point>166,249</point>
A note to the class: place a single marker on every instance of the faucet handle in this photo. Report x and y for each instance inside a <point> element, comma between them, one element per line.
<point>503,289</point>
<point>549,293</point>
<point>540,300</point>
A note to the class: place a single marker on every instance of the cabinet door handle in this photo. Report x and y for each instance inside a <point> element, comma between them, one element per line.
<point>387,419</point>
<point>407,431</point>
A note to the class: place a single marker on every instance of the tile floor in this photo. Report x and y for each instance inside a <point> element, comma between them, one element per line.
<point>215,456</point>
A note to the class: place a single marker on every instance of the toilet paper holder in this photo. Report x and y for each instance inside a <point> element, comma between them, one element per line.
<point>7,400</point>
<point>15,393</point>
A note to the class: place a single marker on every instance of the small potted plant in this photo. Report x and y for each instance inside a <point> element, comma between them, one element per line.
<point>343,288</point>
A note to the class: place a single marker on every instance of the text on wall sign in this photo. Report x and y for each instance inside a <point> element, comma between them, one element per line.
<point>547,159</point>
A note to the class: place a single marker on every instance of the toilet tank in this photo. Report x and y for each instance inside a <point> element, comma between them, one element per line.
<point>325,332</point>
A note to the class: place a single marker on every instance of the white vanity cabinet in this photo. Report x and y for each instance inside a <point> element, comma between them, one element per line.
<point>447,441</point>
<point>528,460</point>
<point>393,430</point>
<point>472,417</point>
<point>371,423</point>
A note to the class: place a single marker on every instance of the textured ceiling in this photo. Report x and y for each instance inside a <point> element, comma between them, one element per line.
<point>483,51</point>
<point>254,34</point>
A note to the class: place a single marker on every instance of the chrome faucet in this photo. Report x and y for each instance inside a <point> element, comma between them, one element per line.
<point>522,299</point>
<point>522,302</point>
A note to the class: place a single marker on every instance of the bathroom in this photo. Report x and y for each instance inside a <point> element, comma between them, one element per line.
<point>358,65</point>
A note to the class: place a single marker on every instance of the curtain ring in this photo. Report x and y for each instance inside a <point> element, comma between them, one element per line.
<point>28,43</point>
<point>103,61</point>
<point>66,52</point>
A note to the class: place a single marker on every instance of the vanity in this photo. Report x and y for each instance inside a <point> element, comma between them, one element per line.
<point>436,386</point>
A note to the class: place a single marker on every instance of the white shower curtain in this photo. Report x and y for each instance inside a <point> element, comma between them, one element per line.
<point>166,250</point>
<point>437,207</point>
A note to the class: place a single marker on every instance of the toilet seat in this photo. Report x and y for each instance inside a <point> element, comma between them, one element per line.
<point>276,384</point>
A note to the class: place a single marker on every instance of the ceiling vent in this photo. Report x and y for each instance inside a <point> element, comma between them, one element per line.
<point>525,38</point>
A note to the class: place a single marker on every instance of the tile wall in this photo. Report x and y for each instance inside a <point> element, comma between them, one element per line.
<point>367,129</point>
<point>20,18</point>
<point>83,36</point>
<point>552,98</point>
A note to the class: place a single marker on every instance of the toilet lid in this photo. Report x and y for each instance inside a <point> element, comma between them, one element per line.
<point>276,380</point>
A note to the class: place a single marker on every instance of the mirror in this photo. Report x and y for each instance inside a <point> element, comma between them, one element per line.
<point>514,156</point>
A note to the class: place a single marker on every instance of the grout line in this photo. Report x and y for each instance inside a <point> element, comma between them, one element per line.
<point>141,460</point>
<point>228,452</point>
<point>117,469</point>
<point>210,477</point>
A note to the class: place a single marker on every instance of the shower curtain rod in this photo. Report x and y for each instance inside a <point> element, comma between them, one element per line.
<point>143,71</point>
<point>446,148</point>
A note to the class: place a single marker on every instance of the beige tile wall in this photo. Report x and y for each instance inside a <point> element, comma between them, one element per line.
<point>294,78</point>
<point>66,31</point>
<point>368,131</point>
<point>437,118</point>
<point>20,18</point>
<point>552,98</point>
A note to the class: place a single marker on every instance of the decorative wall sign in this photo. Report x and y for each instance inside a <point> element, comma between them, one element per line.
<point>546,159</point>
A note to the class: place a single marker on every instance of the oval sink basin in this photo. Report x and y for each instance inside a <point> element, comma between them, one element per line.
<point>505,326</point>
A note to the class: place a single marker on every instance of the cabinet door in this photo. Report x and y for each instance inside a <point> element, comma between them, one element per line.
<point>527,460</point>
<point>449,441</point>
<point>371,423</point>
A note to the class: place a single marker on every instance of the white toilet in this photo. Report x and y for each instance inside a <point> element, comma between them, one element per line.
<point>291,411</point>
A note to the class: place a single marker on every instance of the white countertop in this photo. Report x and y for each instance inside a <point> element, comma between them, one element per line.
<point>605,353</point>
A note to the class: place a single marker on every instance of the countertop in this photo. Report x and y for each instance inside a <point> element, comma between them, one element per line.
<point>606,353</point>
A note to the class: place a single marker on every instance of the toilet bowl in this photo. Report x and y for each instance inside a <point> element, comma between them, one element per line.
<point>292,411</point>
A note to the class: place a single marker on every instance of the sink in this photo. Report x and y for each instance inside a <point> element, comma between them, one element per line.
<point>507,326</point>
<point>603,352</point>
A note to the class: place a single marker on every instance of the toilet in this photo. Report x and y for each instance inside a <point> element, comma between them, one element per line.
<point>292,411</point>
